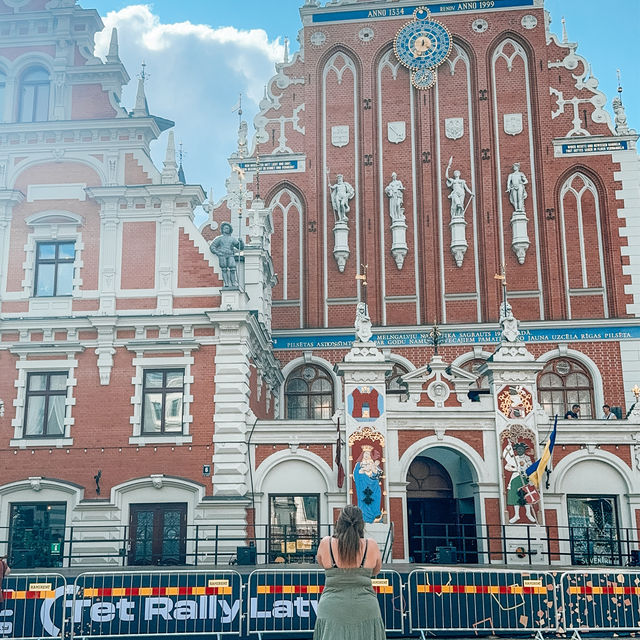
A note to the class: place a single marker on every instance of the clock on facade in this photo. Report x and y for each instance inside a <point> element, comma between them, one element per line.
<point>421,45</point>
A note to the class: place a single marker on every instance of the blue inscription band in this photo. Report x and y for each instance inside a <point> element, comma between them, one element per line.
<point>440,7</point>
<point>483,337</point>
<point>271,166</point>
<point>595,147</point>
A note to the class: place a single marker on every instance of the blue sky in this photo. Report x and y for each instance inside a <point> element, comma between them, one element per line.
<point>607,37</point>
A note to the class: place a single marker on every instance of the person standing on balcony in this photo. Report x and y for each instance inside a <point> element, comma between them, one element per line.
<point>348,606</point>
<point>607,414</point>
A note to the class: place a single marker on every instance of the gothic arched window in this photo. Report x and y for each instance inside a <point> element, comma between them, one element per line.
<point>309,393</point>
<point>395,386</point>
<point>564,382</point>
<point>34,95</point>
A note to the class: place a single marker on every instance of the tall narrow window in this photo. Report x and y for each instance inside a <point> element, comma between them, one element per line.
<point>45,405</point>
<point>34,95</point>
<point>163,396</point>
<point>54,268</point>
<point>3,90</point>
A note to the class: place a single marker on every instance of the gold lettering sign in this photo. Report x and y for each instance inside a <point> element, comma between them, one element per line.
<point>379,582</point>
<point>532,583</point>
<point>218,583</point>
<point>40,586</point>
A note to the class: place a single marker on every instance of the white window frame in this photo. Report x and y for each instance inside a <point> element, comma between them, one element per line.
<point>144,361</point>
<point>52,226</point>
<point>66,364</point>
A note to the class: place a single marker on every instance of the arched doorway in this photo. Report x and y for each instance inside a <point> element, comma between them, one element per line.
<point>441,508</point>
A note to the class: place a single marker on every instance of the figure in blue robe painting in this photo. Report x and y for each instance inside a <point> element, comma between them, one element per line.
<point>366,476</point>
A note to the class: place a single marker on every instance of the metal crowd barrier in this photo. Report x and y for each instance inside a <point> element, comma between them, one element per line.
<point>285,602</point>
<point>156,604</point>
<point>606,600</point>
<point>481,601</point>
<point>33,606</point>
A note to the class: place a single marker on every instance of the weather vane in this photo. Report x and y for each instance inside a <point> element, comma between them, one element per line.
<point>503,278</point>
<point>362,277</point>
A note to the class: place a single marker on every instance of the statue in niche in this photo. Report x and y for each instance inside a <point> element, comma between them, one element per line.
<point>225,246</point>
<point>363,323</point>
<point>516,183</point>
<point>341,193</point>
<point>395,193</point>
<point>459,189</point>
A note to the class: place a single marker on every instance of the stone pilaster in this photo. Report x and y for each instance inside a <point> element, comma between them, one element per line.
<point>232,411</point>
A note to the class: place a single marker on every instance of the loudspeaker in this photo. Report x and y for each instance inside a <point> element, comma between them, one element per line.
<point>246,555</point>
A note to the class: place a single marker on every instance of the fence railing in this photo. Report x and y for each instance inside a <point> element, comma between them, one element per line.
<point>439,543</point>
<point>218,544</point>
<point>167,603</point>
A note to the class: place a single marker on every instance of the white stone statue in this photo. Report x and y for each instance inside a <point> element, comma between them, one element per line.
<point>516,188</point>
<point>622,128</point>
<point>458,188</point>
<point>363,323</point>
<point>225,246</point>
<point>395,193</point>
<point>341,193</point>
<point>509,324</point>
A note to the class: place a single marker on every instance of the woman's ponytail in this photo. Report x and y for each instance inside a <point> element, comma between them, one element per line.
<point>349,531</point>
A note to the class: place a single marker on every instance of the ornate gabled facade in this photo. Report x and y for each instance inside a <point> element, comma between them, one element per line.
<point>119,352</point>
<point>161,379</point>
<point>424,182</point>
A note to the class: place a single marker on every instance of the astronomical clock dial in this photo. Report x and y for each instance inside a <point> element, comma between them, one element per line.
<point>422,43</point>
<point>423,78</point>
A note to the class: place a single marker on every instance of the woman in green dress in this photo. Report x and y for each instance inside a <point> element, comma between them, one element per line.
<point>348,608</point>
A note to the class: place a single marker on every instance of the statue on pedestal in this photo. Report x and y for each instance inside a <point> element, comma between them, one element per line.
<point>459,189</point>
<point>225,246</point>
<point>341,193</point>
<point>363,323</point>
<point>395,193</point>
<point>516,188</point>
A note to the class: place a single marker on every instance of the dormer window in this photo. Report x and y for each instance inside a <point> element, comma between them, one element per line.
<point>34,95</point>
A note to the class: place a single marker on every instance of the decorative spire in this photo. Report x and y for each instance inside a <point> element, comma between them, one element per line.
<point>142,108</point>
<point>286,51</point>
<point>181,177</point>
<point>170,170</point>
<point>565,37</point>
<point>620,119</point>
<point>113,55</point>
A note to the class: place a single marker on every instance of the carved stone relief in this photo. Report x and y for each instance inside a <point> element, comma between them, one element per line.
<point>340,135</point>
<point>396,131</point>
<point>513,123</point>
<point>479,25</point>
<point>454,128</point>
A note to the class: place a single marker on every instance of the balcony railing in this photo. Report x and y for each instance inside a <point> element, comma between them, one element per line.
<point>429,543</point>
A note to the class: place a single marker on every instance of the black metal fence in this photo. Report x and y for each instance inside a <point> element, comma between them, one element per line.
<point>431,543</point>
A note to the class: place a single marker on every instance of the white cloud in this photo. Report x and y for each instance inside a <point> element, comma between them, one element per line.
<point>195,75</point>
